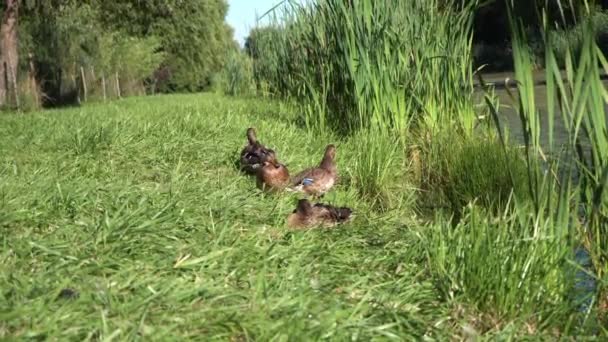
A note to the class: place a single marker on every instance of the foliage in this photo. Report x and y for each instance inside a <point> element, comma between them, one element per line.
<point>264,65</point>
<point>571,39</point>
<point>579,175</point>
<point>369,66</point>
<point>193,35</point>
<point>237,75</point>
<point>133,58</point>
<point>185,41</point>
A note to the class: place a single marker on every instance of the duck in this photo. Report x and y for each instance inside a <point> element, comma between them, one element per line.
<point>254,153</point>
<point>272,176</point>
<point>316,181</point>
<point>307,215</point>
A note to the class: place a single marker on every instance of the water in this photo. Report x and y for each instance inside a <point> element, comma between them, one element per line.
<point>585,284</point>
<point>510,119</point>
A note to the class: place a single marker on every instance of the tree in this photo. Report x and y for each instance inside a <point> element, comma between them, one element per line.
<point>194,36</point>
<point>9,56</point>
<point>133,40</point>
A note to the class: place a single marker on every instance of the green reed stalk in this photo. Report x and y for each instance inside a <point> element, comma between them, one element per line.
<point>581,100</point>
<point>367,63</point>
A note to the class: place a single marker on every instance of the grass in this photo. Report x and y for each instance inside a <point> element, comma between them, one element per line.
<point>369,64</point>
<point>459,170</point>
<point>137,205</point>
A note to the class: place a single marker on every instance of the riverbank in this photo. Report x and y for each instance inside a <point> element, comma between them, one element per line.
<point>137,208</point>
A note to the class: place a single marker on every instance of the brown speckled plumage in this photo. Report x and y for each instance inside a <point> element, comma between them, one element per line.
<point>272,176</point>
<point>318,180</point>
<point>307,215</point>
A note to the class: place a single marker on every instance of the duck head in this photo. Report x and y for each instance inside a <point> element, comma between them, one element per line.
<point>271,164</point>
<point>303,208</point>
<point>251,136</point>
<point>328,158</point>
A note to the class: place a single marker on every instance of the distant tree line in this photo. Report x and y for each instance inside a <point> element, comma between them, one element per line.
<point>158,45</point>
<point>492,35</point>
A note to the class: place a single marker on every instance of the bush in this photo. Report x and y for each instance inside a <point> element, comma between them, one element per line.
<point>133,59</point>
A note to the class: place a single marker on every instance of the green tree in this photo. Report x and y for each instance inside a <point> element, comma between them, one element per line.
<point>193,35</point>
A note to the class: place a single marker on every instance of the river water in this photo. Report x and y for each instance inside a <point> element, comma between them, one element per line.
<point>510,118</point>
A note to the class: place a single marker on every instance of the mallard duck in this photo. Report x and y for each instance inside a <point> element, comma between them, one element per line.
<point>272,176</point>
<point>318,180</point>
<point>307,215</point>
<point>254,153</point>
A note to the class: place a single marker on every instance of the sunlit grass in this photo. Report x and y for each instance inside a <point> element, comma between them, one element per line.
<point>138,204</point>
<point>577,205</point>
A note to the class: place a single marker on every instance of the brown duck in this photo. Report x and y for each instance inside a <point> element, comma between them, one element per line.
<point>307,215</point>
<point>318,180</point>
<point>254,154</point>
<point>272,176</point>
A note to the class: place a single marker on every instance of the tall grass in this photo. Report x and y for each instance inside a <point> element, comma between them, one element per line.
<point>510,266</point>
<point>458,170</point>
<point>373,70</point>
<point>236,77</point>
<point>573,192</point>
<point>394,74</point>
<point>371,63</point>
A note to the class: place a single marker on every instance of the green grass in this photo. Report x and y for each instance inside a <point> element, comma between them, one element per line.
<point>361,64</point>
<point>138,206</point>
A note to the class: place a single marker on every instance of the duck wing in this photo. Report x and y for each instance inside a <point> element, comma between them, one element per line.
<point>308,175</point>
<point>331,213</point>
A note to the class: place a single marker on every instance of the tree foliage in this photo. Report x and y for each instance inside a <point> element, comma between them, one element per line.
<point>193,35</point>
<point>183,41</point>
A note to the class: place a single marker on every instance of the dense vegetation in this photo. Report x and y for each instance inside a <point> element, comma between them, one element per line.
<point>125,47</point>
<point>398,75</point>
<point>138,206</point>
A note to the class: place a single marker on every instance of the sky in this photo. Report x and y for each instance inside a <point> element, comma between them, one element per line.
<point>242,15</point>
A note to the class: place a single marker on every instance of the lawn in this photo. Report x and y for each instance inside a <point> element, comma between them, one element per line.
<point>138,207</point>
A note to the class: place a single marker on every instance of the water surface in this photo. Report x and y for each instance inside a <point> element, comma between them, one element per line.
<point>510,117</point>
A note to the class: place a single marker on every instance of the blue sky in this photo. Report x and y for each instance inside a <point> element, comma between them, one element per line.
<point>242,15</point>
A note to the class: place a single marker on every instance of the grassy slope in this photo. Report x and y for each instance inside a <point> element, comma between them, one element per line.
<point>138,206</point>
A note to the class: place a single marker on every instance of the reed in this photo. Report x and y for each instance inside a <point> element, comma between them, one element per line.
<point>355,64</point>
<point>570,186</point>
<point>371,70</point>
